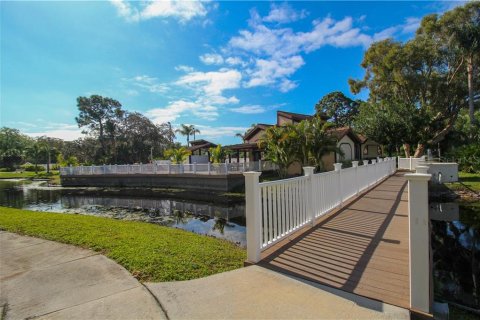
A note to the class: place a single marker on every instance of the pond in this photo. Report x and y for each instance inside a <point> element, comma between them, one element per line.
<point>456,252</point>
<point>225,221</point>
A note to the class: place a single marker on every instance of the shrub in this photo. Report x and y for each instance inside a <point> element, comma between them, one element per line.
<point>31,167</point>
<point>468,158</point>
<point>7,169</point>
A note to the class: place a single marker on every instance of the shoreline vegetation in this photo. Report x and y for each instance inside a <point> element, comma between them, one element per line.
<point>149,252</point>
<point>53,177</point>
<point>467,188</point>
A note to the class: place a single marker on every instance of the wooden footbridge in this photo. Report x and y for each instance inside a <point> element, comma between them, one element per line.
<point>347,229</point>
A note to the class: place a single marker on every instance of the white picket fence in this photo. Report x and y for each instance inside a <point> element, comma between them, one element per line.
<point>409,163</point>
<point>167,168</point>
<point>278,208</point>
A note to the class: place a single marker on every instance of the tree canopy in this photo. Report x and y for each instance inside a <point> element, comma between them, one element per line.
<point>339,109</point>
<point>419,76</point>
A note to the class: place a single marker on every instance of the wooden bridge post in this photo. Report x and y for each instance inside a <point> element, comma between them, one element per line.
<point>253,215</point>
<point>419,240</point>
<point>309,173</point>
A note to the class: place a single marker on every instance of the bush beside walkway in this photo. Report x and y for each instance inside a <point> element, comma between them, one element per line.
<point>150,252</point>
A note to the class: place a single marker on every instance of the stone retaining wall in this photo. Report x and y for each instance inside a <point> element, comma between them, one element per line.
<point>222,183</point>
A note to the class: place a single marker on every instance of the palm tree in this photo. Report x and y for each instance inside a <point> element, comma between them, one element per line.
<point>34,151</point>
<point>187,130</point>
<point>46,145</point>
<point>195,130</point>
<point>177,155</point>
<point>241,136</point>
<point>321,142</point>
<point>280,147</point>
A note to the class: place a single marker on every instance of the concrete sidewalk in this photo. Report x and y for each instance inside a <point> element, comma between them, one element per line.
<point>258,293</point>
<point>48,280</point>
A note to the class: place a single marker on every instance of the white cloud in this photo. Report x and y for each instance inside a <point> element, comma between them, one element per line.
<point>184,68</point>
<point>250,109</point>
<point>62,131</point>
<point>211,58</point>
<point>284,14</point>
<point>216,100</point>
<point>209,132</point>
<point>214,82</point>
<point>411,25</point>
<point>144,10</point>
<point>287,85</point>
<point>268,72</point>
<point>175,109</point>
<point>148,83</point>
<point>275,53</point>
<point>233,61</point>
<point>205,107</point>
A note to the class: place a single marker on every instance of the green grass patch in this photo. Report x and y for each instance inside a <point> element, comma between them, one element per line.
<point>150,252</point>
<point>53,176</point>
<point>17,175</point>
<point>470,181</point>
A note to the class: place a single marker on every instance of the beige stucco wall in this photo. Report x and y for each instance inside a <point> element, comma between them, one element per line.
<point>328,161</point>
<point>256,137</point>
<point>372,149</point>
<point>295,169</point>
<point>281,120</point>
<point>348,146</point>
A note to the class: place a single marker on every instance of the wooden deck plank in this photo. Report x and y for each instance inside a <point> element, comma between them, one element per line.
<point>362,248</point>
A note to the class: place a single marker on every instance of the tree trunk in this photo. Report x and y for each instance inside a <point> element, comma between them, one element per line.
<point>471,108</point>
<point>48,161</point>
<point>420,150</point>
<point>406,147</point>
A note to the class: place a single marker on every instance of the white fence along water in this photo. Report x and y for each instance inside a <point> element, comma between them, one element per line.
<point>276,209</point>
<point>409,163</point>
<point>167,168</point>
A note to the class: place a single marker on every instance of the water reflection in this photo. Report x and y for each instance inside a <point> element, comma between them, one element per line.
<point>456,252</point>
<point>222,221</point>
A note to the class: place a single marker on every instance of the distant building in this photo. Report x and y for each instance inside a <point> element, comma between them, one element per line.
<point>353,146</point>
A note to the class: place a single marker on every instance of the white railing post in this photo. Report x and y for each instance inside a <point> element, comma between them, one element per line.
<point>226,168</point>
<point>357,187</point>
<point>244,167</point>
<point>410,165</point>
<point>169,168</point>
<point>419,240</point>
<point>155,168</point>
<point>91,169</point>
<point>209,167</point>
<point>338,169</point>
<point>194,168</point>
<point>260,165</point>
<point>253,215</point>
<point>309,173</point>
<point>374,162</point>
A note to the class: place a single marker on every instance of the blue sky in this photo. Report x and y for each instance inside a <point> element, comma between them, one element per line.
<point>218,65</point>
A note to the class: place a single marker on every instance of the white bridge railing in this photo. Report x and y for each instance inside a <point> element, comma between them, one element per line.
<point>409,163</point>
<point>153,168</point>
<point>278,208</point>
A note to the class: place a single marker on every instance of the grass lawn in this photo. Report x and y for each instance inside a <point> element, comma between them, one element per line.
<point>150,252</point>
<point>469,181</point>
<point>54,175</point>
<point>17,175</point>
